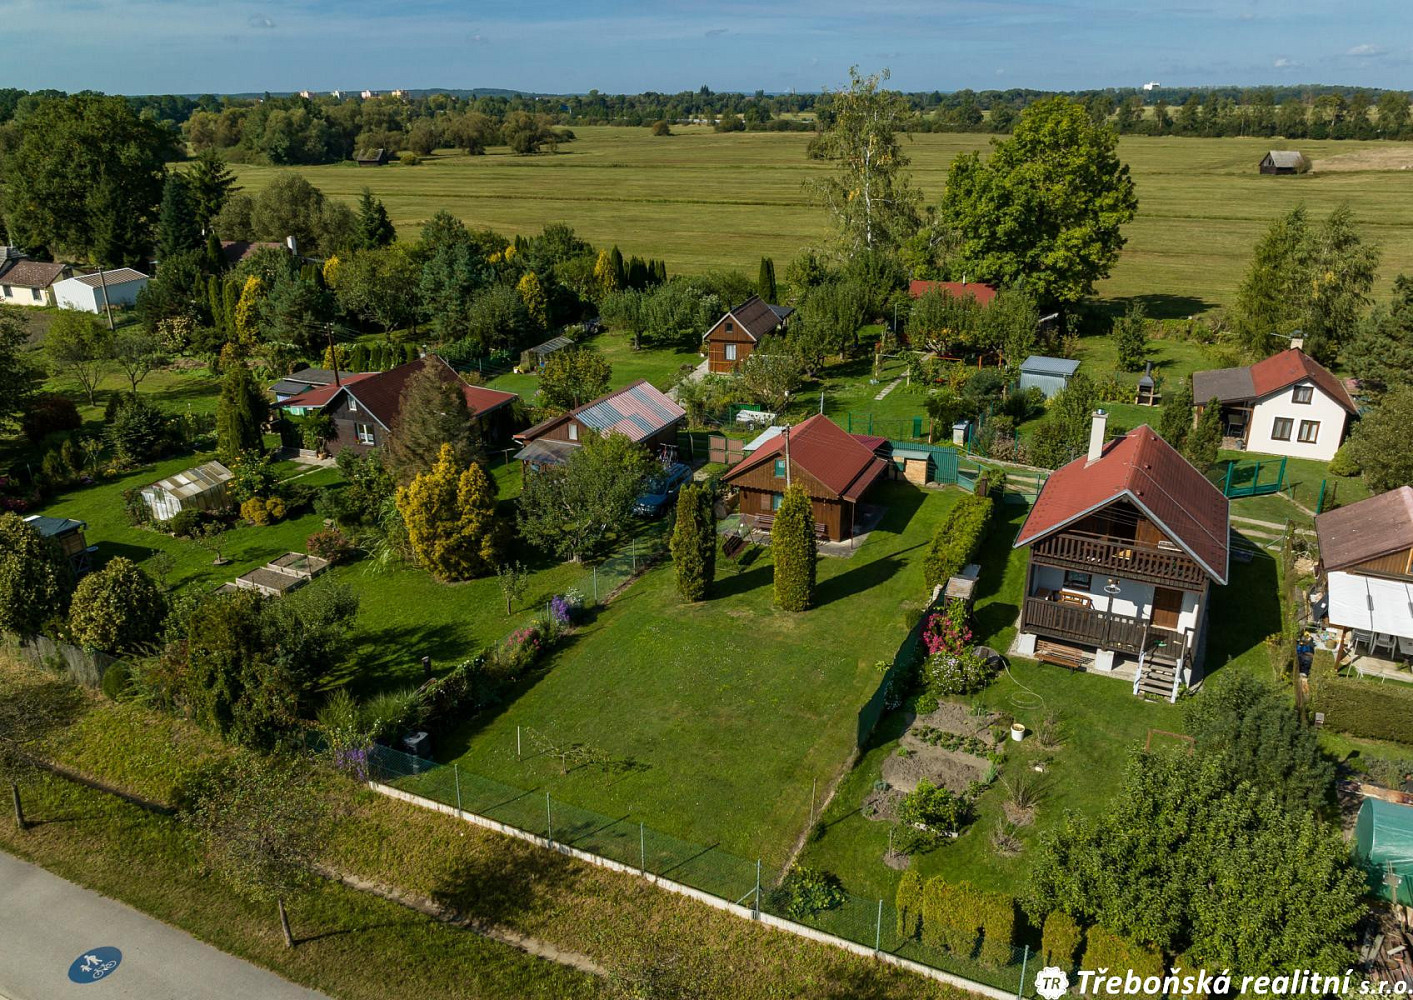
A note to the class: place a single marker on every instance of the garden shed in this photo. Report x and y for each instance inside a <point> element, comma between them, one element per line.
<point>201,488</point>
<point>1284,161</point>
<point>1383,842</point>
<point>1049,375</point>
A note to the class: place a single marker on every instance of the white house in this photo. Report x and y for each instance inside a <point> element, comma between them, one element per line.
<point>27,282</point>
<point>94,292</point>
<point>1125,546</point>
<point>1287,404</point>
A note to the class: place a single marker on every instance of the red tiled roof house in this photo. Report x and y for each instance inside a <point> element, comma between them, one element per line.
<point>1125,546</point>
<point>981,292</point>
<point>1287,404</point>
<point>835,467</point>
<point>734,336</point>
<point>365,407</point>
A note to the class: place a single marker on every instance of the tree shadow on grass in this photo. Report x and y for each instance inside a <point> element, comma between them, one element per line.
<point>390,658</point>
<point>485,888</point>
<point>1160,306</point>
<point>740,582</point>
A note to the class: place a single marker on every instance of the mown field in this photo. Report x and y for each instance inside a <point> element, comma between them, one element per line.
<point>701,199</point>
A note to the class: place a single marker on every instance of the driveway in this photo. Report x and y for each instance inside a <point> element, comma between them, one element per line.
<point>50,927</point>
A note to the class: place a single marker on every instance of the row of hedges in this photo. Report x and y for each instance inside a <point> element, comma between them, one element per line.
<point>1062,936</point>
<point>1376,712</point>
<point>956,917</point>
<point>957,539</point>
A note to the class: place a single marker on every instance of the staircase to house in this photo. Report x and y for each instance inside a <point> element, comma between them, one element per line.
<point>1157,679</point>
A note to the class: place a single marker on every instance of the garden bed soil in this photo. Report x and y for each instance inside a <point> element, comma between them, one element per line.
<point>954,770</point>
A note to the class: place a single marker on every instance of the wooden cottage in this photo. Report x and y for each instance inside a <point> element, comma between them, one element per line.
<point>646,415</point>
<point>835,467</point>
<point>1284,161</point>
<point>735,335</point>
<point>1366,563</point>
<point>365,407</point>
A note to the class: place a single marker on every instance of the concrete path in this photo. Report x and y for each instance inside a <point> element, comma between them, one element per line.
<point>47,923</point>
<point>888,388</point>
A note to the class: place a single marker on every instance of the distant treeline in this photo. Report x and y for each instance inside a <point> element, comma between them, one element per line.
<point>324,129</point>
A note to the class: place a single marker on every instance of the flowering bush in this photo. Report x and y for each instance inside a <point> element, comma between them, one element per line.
<point>331,544</point>
<point>952,666</point>
<point>520,649</point>
<point>947,631</point>
<point>560,610</point>
<point>574,598</point>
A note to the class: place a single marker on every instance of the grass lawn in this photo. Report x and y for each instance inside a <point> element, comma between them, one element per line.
<point>659,365</point>
<point>1100,718</point>
<point>720,715</point>
<point>702,200</point>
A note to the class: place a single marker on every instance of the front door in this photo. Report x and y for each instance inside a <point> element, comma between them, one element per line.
<point>1167,606</point>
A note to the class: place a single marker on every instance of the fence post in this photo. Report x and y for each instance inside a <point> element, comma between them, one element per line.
<point>456,776</point>
<point>1320,503</point>
<point>642,850</point>
<point>549,820</point>
<point>517,743</point>
<point>757,902</point>
<point>1226,485</point>
<point>1025,959</point>
<point>878,928</point>
<point>596,583</point>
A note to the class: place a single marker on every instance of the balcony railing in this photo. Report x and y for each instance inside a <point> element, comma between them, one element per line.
<point>1119,557</point>
<point>1102,629</point>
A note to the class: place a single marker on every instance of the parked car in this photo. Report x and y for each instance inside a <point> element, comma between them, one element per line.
<point>662,491</point>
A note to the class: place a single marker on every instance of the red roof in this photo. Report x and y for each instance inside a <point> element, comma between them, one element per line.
<point>1294,365</point>
<point>1143,468</point>
<point>320,395</point>
<point>842,462</point>
<point>380,393</point>
<point>983,293</point>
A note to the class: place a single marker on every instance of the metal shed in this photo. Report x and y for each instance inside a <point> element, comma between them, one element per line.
<point>1049,375</point>
<point>201,488</point>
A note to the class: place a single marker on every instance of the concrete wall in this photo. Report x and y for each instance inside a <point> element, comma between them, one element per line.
<point>1330,415</point>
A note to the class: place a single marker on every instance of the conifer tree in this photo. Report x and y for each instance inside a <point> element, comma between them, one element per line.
<point>210,183</point>
<point>694,543</point>
<point>375,229</point>
<point>620,273</point>
<point>245,326</point>
<point>605,278</point>
<point>449,511</point>
<point>792,549</point>
<point>177,227</point>
<point>433,413</point>
<point>215,260</point>
<point>765,284</point>
<point>1176,422</point>
<point>1205,440</point>
<point>533,295</point>
<point>240,412</point>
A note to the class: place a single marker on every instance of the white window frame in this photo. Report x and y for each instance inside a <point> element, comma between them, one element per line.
<point>1303,394</point>
<point>1314,427</point>
<point>730,352</point>
<point>8,291</point>
<point>573,431</point>
<point>38,294</point>
<point>365,433</point>
<point>352,404</point>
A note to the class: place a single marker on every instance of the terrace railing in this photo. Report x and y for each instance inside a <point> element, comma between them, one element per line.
<point>1080,624</point>
<point>1129,559</point>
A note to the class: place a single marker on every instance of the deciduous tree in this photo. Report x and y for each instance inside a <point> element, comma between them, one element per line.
<point>116,609</point>
<point>19,377</point>
<point>35,579</point>
<point>578,509</point>
<point>771,373</point>
<point>80,345</point>
<point>137,352</point>
<point>1176,422</point>
<point>1380,442</point>
<point>572,377</point>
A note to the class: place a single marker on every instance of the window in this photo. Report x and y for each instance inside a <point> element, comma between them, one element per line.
<point>352,404</point>
<point>9,292</point>
<point>1078,581</point>
<point>1280,430</point>
<point>775,501</point>
<point>573,431</point>
<point>36,294</point>
<point>365,433</point>
<point>1302,394</point>
<point>730,326</point>
<point>780,468</point>
<point>730,352</point>
<point>1309,431</point>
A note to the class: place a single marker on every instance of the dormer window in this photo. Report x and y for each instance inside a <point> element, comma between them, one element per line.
<point>1302,394</point>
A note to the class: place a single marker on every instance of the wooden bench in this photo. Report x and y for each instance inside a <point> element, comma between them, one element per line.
<point>733,546</point>
<point>1059,655</point>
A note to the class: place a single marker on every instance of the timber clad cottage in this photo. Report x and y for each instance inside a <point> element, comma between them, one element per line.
<point>736,334</point>
<point>640,411</point>
<point>365,407</point>
<point>1125,547</point>
<point>835,467</point>
<point>1288,404</point>
<point>1366,561</point>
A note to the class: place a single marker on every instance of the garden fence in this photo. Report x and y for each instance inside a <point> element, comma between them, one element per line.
<point>875,708</point>
<point>1253,477</point>
<point>629,843</point>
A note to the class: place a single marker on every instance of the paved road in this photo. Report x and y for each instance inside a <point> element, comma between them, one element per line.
<point>46,923</point>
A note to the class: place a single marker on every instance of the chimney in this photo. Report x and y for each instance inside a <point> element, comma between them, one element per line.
<point>1297,343</point>
<point>1096,436</point>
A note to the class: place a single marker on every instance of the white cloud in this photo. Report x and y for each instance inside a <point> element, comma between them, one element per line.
<point>1365,51</point>
<point>1284,63</point>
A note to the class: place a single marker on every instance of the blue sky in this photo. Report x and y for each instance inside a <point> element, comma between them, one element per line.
<point>195,46</point>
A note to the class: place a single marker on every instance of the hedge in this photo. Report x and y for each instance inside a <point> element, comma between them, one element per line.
<point>1376,712</point>
<point>998,926</point>
<point>1060,939</point>
<point>909,904</point>
<point>957,539</point>
<point>1106,950</point>
<point>792,550</point>
<point>954,916</point>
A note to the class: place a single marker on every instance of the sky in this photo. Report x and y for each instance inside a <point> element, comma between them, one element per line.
<point>614,46</point>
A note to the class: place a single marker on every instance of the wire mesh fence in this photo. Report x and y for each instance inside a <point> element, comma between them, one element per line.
<point>758,884</point>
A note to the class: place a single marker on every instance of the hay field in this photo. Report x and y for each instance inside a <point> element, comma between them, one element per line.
<point>701,200</point>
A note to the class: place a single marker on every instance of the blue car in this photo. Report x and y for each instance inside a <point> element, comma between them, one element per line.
<point>662,491</point>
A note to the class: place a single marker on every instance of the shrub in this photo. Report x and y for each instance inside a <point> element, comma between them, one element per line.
<point>909,905</point>
<point>1060,939</point>
<point>275,507</point>
<point>805,892</point>
<point>957,539</point>
<point>255,511</point>
<point>116,680</point>
<point>117,608</point>
<point>185,523</point>
<point>331,544</point>
<point>998,926</point>
<point>408,158</point>
<point>1382,712</point>
<point>934,811</point>
<point>520,649</point>
<point>135,508</point>
<point>792,550</point>
<point>137,430</point>
<point>951,919</point>
<point>48,413</point>
<point>1106,950</point>
<point>1344,462</point>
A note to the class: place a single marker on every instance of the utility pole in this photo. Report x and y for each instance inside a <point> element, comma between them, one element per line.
<point>107,306</point>
<point>786,432</point>
<point>333,355</point>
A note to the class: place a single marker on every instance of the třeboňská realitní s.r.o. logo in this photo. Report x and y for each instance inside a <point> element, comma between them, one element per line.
<point>1051,982</point>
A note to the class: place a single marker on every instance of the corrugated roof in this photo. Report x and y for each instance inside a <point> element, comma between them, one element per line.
<point>32,273</point>
<point>1366,530</point>
<point>50,527</point>
<point>638,410</point>
<point>1144,468</point>
<point>1285,157</point>
<point>1227,385</point>
<point>117,276</point>
<point>1038,364</point>
<point>321,395</point>
<point>841,462</point>
<point>193,482</point>
<point>547,451</point>
<point>982,292</point>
